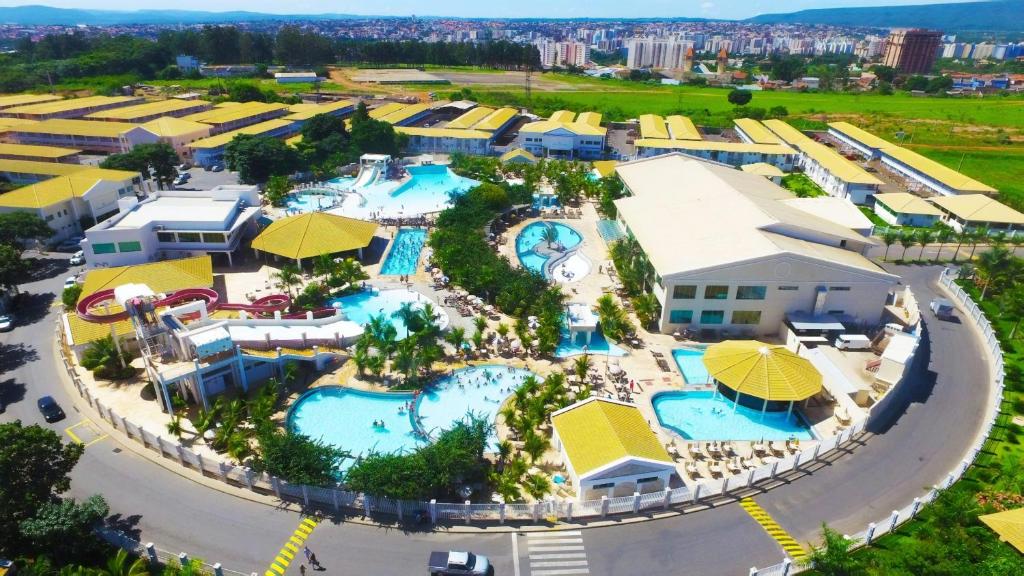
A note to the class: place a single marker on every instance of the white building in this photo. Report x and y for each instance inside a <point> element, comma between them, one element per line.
<point>565,135</point>
<point>295,77</point>
<point>905,209</point>
<point>174,224</point>
<point>730,255</point>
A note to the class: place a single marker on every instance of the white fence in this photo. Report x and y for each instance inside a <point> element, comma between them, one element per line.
<point>897,517</point>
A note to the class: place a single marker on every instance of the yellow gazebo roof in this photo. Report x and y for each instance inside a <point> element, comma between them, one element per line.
<point>766,371</point>
<point>314,233</point>
<point>1009,525</point>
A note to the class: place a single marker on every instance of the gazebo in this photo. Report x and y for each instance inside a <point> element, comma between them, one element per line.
<point>314,233</point>
<point>1009,525</point>
<point>769,372</point>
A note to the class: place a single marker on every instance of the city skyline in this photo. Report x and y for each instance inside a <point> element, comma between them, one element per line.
<point>468,9</point>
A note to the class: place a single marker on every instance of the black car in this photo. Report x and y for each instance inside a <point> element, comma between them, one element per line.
<point>51,411</point>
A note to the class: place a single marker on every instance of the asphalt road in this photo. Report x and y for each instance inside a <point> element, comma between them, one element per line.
<point>929,434</point>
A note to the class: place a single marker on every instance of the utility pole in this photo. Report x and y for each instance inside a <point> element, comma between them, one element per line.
<point>526,82</point>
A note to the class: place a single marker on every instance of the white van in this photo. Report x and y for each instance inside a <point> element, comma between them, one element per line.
<point>853,342</point>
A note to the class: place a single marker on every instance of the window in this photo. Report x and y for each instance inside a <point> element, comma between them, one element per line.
<point>837,312</point>
<point>604,486</point>
<point>716,292</point>
<point>751,292</point>
<point>684,292</point>
<point>680,316</point>
<point>648,479</point>
<point>789,287</point>
<point>106,248</point>
<point>839,289</point>
<point>213,237</point>
<point>712,317</point>
<point>746,317</point>
<point>188,236</point>
<point>129,246</point>
<point>165,236</point>
<point>49,217</point>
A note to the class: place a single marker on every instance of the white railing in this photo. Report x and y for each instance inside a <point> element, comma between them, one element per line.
<point>886,525</point>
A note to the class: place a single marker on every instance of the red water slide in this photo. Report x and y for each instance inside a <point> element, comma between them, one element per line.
<point>265,306</point>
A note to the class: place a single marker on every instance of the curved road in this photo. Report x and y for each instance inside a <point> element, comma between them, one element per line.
<point>929,430</point>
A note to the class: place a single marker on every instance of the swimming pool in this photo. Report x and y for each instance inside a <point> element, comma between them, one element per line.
<point>363,306</point>
<point>598,345</point>
<point>405,252</point>
<point>311,201</point>
<point>690,362</point>
<point>345,417</point>
<point>705,415</point>
<point>533,235</point>
<point>429,188</point>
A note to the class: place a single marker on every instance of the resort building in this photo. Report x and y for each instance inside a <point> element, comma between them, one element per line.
<point>210,151</point>
<point>610,450</point>
<point>905,209</point>
<point>66,202</point>
<point>565,136</point>
<point>295,77</point>
<point>518,156</point>
<point>766,170</point>
<point>29,171</point>
<point>300,113</point>
<point>836,210</point>
<point>12,100</point>
<point>731,256</point>
<point>141,113</point>
<point>978,212</point>
<point>447,140</point>
<point>306,236</point>
<point>8,124</point>
<point>732,153</point>
<point>179,133</point>
<point>864,142</point>
<point>753,132</point>
<point>674,127</point>
<point>39,153</point>
<point>89,135</point>
<point>826,167</point>
<point>70,108</point>
<point>228,116</point>
<point>406,115</point>
<point>174,224</point>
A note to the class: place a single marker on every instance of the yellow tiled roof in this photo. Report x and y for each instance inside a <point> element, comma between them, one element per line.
<point>1009,525</point>
<point>763,169</point>
<point>605,168</point>
<point>8,124</point>
<point>765,371</point>
<point>33,151</point>
<point>495,119</point>
<point>861,135</point>
<point>235,112</point>
<point>597,432</point>
<point>385,109</point>
<point>444,133</point>
<point>933,169</point>
<point>8,100</point>
<point>253,129</point>
<point>38,168</point>
<point>96,128</point>
<point>470,118</point>
<point>404,113</point>
<point>518,153</point>
<point>57,106</point>
<point>906,203</point>
<point>161,277</point>
<point>652,126</point>
<point>170,127</point>
<point>978,208</point>
<point>756,131</point>
<point>61,188</point>
<point>545,126</point>
<point>682,128</point>
<point>83,331</point>
<point>789,134</point>
<point>130,113</point>
<point>314,233</point>
<point>591,118</point>
<point>837,165</point>
<point>563,116</point>
<point>307,110</point>
<point>714,145</point>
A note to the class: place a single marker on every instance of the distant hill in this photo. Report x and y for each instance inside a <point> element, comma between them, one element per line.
<point>998,15</point>
<point>37,15</point>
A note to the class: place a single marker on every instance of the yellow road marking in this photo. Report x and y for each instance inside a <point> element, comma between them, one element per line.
<point>91,427</point>
<point>788,543</point>
<point>291,547</point>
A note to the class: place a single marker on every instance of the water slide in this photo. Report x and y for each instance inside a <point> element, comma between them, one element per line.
<point>367,175</point>
<point>266,306</point>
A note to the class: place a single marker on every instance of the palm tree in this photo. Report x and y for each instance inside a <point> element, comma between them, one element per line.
<point>360,357</point>
<point>943,234</point>
<point>174,427</point>
<point>288,277</point>
<point>537,486</point>
<point>238,446</point>
<point>1011,305</point>
<point>836,556</point>
<point>122,565</point>
<point>612,318</point>
<point>349,271</point>
<point>409,316</point>
<point>922,238</point>
<point>992,264</point>
<point>646,308</point>
<point>323,265</point>
<point>550,235</point>
<point>535,445</point>
<point>457,338</point>
<point>508,416</point>
<point>977,237</point>
<point>506,485</point>
<point>504,452</point>
<point>889,237</point>
<point>580,367</point>
<point>480,323</point>
<point>375,364</point>
<point>906,241</point>
<point>204,421</point>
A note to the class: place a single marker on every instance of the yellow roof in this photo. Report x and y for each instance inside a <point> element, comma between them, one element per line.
<point>405,113</point>
<point>682,128</point>
<point>598,432</point>
<point>84,332</point>
<point>468,119</point>
<point>789,134</point>
<point>161,277</point>
<point>713,145</point>
<point>495,119</point>
<point>1009,525</point>
<point>236,111</point>
<point>33,151</point>
<point>8,100</point>
<point>763,169</point>
<point>652,126</point>
<point>756,131</point>
<point>71,104</point>
<point>73,127</point>
<point>906,203</point>
<point>314,233</point>
<point>170,127</point>
<point>6,124</point>
<point>605,168</point>
<point>307,110</point>
<point>978,208</point>
<point>591,118</point>
<point>545,126</point>
<point>563,116</point>
<point>294,140</point>
<point>444,133</point>
<point>936,171</point>
<point>518,154</point>
<point>61,188</point>
<point>837,165</point>
<point>253,129</point>
<point>861,135</point>
<point>385,109</point>
<point>38,168</point>
<point>149,109</point>
<point>766,371</point>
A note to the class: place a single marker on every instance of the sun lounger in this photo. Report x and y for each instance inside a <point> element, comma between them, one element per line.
<point>694,450</point>
<point>715,468</point>
<point>760,448</point>
<point>734,466</point>
<point>777,449</point>
<point>691,469</point>
<point>793,446</point>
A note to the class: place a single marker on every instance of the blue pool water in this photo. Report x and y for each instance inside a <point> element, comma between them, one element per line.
<point>344,417</point>
<point>703,415</point>
<point>429,188</point>
<point>405,252</point>
<point>363,306</point>
<point>690,362</point>
<point>310,201</point>
<point>534,234</point>
<point>598,345</point>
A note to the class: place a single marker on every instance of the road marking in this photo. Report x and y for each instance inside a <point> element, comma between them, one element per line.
<point>88,429</point>
<point>297,539</point>
<point>556,553</point>
<point>515,554</point>
<point>788,543</point>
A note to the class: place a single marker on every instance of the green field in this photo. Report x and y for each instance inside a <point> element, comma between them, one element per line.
<point>1001,168</point>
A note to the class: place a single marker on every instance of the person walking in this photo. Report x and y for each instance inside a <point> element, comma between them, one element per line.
<point>302,569</point>
<point>308,553</point>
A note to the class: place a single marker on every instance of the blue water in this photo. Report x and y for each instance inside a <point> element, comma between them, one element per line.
<point>690,362</point>
<point>344,417</point>
<point>405,252</point>
<point>429,188</point>
<point>610,231</point>
<point>598,345</point>
<point>310,201</point>
<point>704,415</point>
<point>363,306</point>
<point>534,234</point>
<point>545,201</point>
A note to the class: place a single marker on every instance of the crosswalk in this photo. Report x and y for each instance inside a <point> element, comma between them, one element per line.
<point>556,553</point>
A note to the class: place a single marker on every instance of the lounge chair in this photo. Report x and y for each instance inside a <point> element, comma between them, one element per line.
<point>843,415</point>
<point>734,465</point>
<point>715,468</point>
<point>776,449</point>
<point>793,446</point>
<point>691,469</point>
<point>694,449</point>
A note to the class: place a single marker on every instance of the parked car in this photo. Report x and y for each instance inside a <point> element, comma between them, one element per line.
<point>459,564</point>
<point>217,168</point>
<point>6,322</point>
<point>78,258</point>
<point>51,411</point>
<point>70,281</point>
<point>180,180</point>
<point>942,308</point>
<point>183,167</point>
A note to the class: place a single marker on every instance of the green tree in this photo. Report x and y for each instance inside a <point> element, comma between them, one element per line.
<point>121,564</point>
<point>61,528</point>
<point>647,309</point>
<point>297,458</point>
<point>906,241</point>
<point>537,486</point>
<point>739,97</point>
<point>13,269</point>
<point>103,358</point>
<point>889,237</point>
<point>923,238</point>
<point>154,160</point>
<point>69,297</point>
<point>276,190</point>
<point>943,235</point>
<point>257,158</point>
<point>535,445</point>
<point>246,92</point>
<point>17,227</point>
<point>288,277</point>
<point>835,556</point>
<point>375,137</point>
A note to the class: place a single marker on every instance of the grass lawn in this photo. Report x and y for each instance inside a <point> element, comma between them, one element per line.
<point>1002,168</point>
<point>802,186</point>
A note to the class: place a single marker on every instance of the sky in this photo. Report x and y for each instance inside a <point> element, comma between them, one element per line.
<point>729,9</point>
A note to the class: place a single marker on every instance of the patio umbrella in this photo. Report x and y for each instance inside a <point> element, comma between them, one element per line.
<point>614,369</point>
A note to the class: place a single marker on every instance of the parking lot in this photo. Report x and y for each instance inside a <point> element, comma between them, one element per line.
<point>204,180</point>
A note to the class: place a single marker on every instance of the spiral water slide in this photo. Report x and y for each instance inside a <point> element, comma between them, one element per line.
<point>87,307</point>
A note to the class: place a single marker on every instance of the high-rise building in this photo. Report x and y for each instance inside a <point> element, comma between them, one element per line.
<point>912,51</point>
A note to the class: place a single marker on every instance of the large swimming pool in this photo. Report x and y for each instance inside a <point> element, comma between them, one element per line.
<point>705,415</point>
<point>363,306</point>
<point>405,252</point>
<point>345,417</point>
<point>429,188</point>
<point>311,200</point>
<point>690,362</point>
<point>533,235</point>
